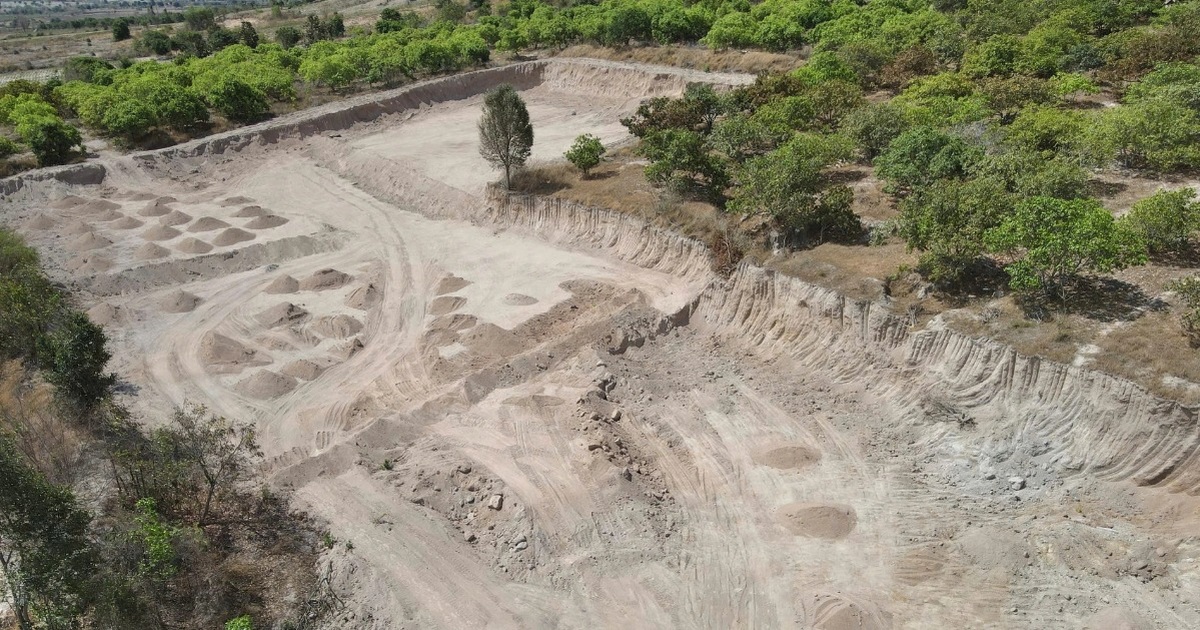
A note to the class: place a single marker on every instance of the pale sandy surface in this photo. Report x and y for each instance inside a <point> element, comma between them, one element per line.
<point>562,450</point>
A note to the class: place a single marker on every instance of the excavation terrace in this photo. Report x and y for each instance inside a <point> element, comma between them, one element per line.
<point>525,413</point>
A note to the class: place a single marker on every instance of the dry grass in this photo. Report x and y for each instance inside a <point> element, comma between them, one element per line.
<point>692,57</point>
<point>27,413</point>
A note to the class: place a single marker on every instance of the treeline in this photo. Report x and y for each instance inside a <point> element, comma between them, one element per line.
<point>173,521</point>
<point>980,122</point>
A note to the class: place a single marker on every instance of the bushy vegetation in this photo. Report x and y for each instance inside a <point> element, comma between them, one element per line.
<point>178,503</point>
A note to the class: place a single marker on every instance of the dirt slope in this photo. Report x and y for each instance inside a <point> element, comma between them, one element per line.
<point>518,413</point>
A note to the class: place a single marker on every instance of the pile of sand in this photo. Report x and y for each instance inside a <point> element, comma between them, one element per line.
<point>281,315</point>
<point>283,284</point>
<point>192,245</point>
<point>39,222</point>
<point>76,228</point>
<point>108,215</point>
<point>450,284</point>
<point>324,280</point>
<point>789,457</point>
<point>155,209</point>
<point>350,349</point>
<point>817,520</point>
<point>445,305</point>
<point>519,299</point>
<point>337,326</point>
<point>99,205</point>
<point>232,236</point>
<point>160,233</point>
<point>236,201</point>
<point>207,224</point>
<point>175,217</point>
<point>265,384</point>
<point>128,223</point>
<point>266,222</point>
<point>222,354</point>
<point>303,369</point>
<point>150,251</point>
<point>178,302</point>
<point>106,314</point>
<point>139,196</point>
<point>363,298</point>
<point>250,212</point>
<point>68,202</point>
<point>88,241</point>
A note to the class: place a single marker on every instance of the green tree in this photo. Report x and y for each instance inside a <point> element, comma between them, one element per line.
<point>947,221</point>
<point>52,141</point>
<point>155,42</point>
<point>679,158</point>
<point>247,35</point>
<point>75,354</point>
<point>199,18</point>
<point>585,153</point>
<point>505,133</point>
<point>237,100</point>
<point>44,551</point>
<point>922,155</point>
<point>1188,290</point>
<point>120,30</point>
<point>1166,219</point>
<point>288,36</point>
<point>1051,241</point>
<point>873,127</point>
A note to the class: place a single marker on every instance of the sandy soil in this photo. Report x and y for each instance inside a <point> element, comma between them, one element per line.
<point>522,416</point>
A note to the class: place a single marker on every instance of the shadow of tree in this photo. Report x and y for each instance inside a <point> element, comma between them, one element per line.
<point>1099,299</point>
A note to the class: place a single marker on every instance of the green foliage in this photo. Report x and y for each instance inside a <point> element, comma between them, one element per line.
<point>247,35</point>
<point>505,133</point>
<point>1048,129</point>
<point>237,100</point>
<point>52,141</point>
<point>873,127</point>
<point>8,147</point>
<point>1069,86</point>
<point>88,70</point>
<point>240,623</point>
<point>585,153</point>
<point>1177,83</point>
<point>923,154</point>
<point>680,159</point>
<point>157,540</point>
<point>1166,219</point>
<point>1188,290</point>
<point>788,184</point>
<point>288,36</point>
<point>947,221</point>
<point>75,355</point>
<point>120,31</point>
<point>44,551</point>
<point>1153,134</point>
<point>1051,241</point>
<point>199,18</point>
<point>155,42</point>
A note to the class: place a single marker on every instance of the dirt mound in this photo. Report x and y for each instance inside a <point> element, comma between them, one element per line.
<point>350,349</point>
<point>99,205</point>
<point>76,228</point>
<point>140,196</point>
<point>337,326</point>
<point>266,222</point>
<point>324,280</point>
<point>89,264</point>
<point>281,315</point>
<point>175,217</point>
<point>817,520</point>
<point>160,233</point>
<point>150,251</point>
<point>155,209</point>
<point>178,302</point>
<point>237,200</point>
<point>446,304</point>
<point>192,245</point>
<point>789,457</point>
<point>232,236</point>
<point>105,314</point>
<point>283,284</point>
<point>303,369</point>
<point>68,202</point>
<point>108,215</point>
<point>207,224</point>
<point>221,354</point>
<point>250,212</point>
<point>265,384</point>
<point>517,299</point>
<point>88,241</point>
<point>363,298</point>
<point>128,223</point>
<point>450,284</point>
<point>39,222</point>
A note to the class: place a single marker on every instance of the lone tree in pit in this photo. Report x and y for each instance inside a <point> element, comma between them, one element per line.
<point>505,134</point>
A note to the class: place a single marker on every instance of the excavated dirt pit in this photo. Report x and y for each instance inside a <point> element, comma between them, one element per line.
<point>524,415</point>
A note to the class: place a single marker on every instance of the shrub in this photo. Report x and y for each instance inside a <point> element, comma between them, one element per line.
<point>288,36</point>
<point>120,31</point>
<point>237,100</point>
<point>156,42</point>
<point>874,126</point>
<point>52,141</point>
<point>585,154</point>
<point>240,623</point>
<point>680,159</point>
<point>922,155</point>
<point>1189,292</point>
<point>8,147</point>
<point>1166,219</point>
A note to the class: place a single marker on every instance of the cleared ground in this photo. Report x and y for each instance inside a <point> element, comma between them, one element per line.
<point>520,416</point>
